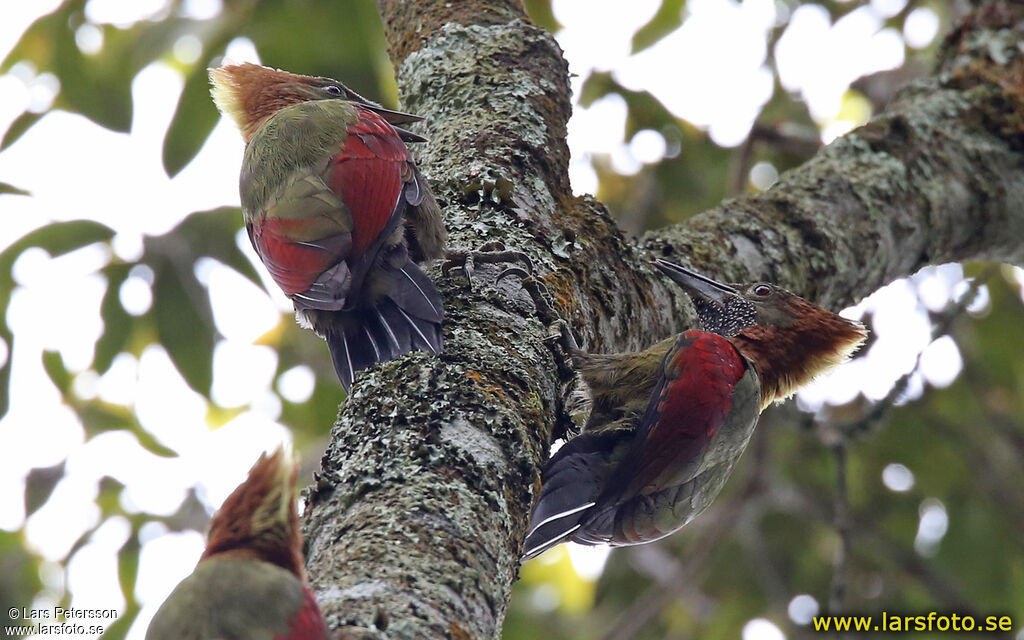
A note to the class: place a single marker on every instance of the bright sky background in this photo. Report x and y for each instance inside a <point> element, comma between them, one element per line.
<point>118,180</point>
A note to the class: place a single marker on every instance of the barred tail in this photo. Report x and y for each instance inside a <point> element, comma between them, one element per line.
<point>407,319</point>
<point>573,481</point>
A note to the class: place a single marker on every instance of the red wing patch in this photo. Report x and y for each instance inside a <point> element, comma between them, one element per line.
<point>698,394</point>
<point>368,176</point>
<point>689,403</point>
<point>294,265</point>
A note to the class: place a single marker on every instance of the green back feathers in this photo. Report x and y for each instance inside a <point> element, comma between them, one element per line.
<point>230,598</point>
<point>296,140</point>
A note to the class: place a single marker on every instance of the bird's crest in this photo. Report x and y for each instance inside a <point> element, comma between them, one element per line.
<point>249,93</point>
<point>788,357</point>
<point>231,85</point>
<point>259,518</point>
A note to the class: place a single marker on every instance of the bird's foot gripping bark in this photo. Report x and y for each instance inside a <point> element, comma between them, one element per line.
<point>496,252</point>
<point>563,346</point>
<point>488,253</point>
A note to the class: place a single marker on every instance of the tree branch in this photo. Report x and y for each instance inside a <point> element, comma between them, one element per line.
<point>935,178</point>
<point>415,525</point>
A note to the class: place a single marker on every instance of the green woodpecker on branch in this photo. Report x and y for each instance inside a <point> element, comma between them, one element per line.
<point>337,211</point>
<point>668,424</point>
<point>250,583</point>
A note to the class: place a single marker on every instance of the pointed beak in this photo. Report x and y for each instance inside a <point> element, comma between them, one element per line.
<point>695,284</point>
<point>395,117</point>
<point>391,117</point>
<point>409,136</point>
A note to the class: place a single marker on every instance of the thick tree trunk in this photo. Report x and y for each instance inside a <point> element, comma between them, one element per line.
<point>415,526</point>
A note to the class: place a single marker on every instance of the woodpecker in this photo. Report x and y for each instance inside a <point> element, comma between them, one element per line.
<point>250,583</point>
<point>668,424</point>
<point>337,211</point>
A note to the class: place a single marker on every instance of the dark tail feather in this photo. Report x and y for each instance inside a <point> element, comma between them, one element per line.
<point>573,480</point>
<point>415,294</point>
<point>407,319</point>
<point>348,356</point>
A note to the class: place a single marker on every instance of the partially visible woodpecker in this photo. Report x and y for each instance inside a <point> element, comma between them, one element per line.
<point>337,211</point>
<point>250,583</point>
<point>668,424</point>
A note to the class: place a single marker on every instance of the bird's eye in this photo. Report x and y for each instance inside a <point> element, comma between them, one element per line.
<point>334,90</point>
<point>762,290</point>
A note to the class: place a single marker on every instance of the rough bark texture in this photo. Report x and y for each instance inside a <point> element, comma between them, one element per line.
<point>415,526</point>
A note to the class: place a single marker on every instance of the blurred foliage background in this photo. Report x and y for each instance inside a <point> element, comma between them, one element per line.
<point>905,499</point>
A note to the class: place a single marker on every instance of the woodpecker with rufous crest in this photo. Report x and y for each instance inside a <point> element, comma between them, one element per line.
<point>668,424</point>
<point>250,583</point>
<point>337,211</point>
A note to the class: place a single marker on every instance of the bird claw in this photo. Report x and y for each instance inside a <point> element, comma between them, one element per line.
<point>514,271</point>
<point>489,253</point>
<point>561,335</point>
<point>495,252</point>
<point>565,426</point>
<point>533,286</point>
<point>563,357</point>
<point>541,297</point>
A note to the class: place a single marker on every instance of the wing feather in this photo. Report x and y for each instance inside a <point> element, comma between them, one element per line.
<point>326,217</point>
<point>689,403</point>
<point>368,176</point>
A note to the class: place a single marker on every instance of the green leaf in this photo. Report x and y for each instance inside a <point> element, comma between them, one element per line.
<point>353,58</point>
<point>20,125</point>
<point>109,498</point>
<point>35,43</point>
<point>119,629</point>
<point>100,416</point>
<point>10,189</point>
<point>127,574</point>
<point>542,15</point>
<point>644,110</point>
<point>184,321</point>
<point>117,323</point>
<point>39,485</point>
<point>57,239</point>
<point>19,582</point>
<point>181,305</point>
<point>86,535</point>
<point>53,363</point>
<point>97,85</point>
<point>152,445</point>
<point>668,18</point>
<point>193,121</point>
<point>128,564</point>
<point>311,421</point>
